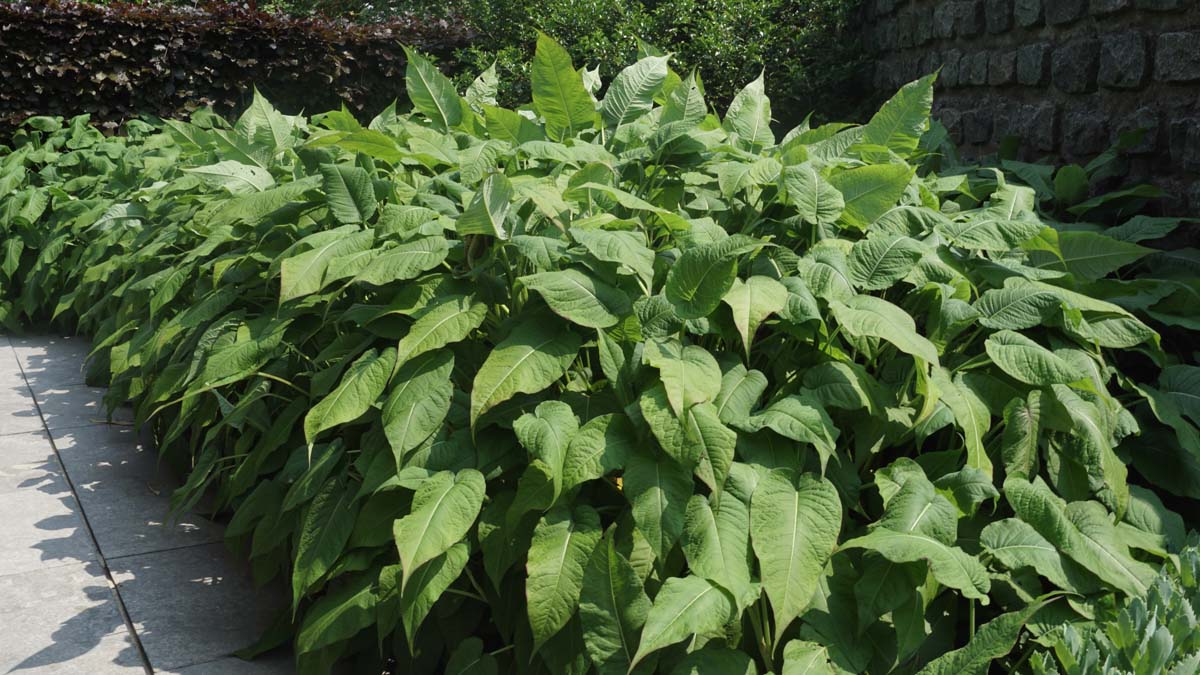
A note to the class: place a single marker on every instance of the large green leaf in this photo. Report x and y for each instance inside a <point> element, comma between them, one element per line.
<point>558,91</point>
<point>902,120</point>
<point>431,92</point>
<point>328,522</point>
<point>1082,531</point>
<point>798,418</point>
<point>306,272</point>
<point>794,531</point>
<point>580,298</point>
<point>658,489</point>
<point>362,384</point>
<point>703,275</point>
<point>749,115</point>
<point>869,191</point>
<point>443,510</point>
<point>488,210</point>
<point>689,374</point>
<point>418,403</point>
<point>682,608</point>
<point>1028,361</point>
<point>716,542</point>
<point>350,193</point>
<point>816,201</point>
<point>562,544</point>
<point>612,609</point>
<point>868,316</point>
<point>631,93</point>
<point>994,640</point>
<point>439,324</point>
<point>531,359</point>
<point>426,587</point>
<point>880,260</point>
<point>751,302</point>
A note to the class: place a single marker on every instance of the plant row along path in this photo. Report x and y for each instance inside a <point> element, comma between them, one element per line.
<point>625,386</point>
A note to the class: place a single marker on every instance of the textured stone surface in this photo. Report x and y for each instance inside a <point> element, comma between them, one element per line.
<point>1033,64</point>
<point>943,21</point>
<point>1178,57</point>
<point>1085,132</point>
<point>1061,12</point>
<point>1073,66</point>
<point>1123,61</point>
<point>952,120</point>
<point>977,71</point>
<point>1027,13</point>
<point>950,68</point>
<point>1002,68</point>
<point>1162,5</point>
<point>999,16</point>
<point>1040,126</point>
<point>1103,7</point>
<point>1146,118</point>
<point>969,18</point>
<point>977,125</point>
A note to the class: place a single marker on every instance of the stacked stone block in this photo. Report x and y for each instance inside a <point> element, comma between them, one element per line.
<point>1066,77</point>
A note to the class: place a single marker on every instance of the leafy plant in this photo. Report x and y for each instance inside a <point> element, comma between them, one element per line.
<point>1155,634</point>
<point>621,385</point>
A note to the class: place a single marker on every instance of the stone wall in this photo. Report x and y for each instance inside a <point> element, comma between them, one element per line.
<point>1064,76</point>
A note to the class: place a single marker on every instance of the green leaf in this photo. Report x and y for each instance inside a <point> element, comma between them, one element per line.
<point>1082,531</point>
<point>405,261</point>
<point>1017,307</point>
<point>711,441</point>
<point>612,608</point>
<point>1016,545</point>
<point>751,302</point>
<point>427,585</point>
<point>578,297</point>
<point>794,531</point>
<point>305,273</point>
<point>419,401</point>
<point>470,659</point>
<point>362,384</point>
<point>716,543</point>
<point>993,229</point>
<point>627,249</point>
<point>658,488</point>
<point>684,607</point>
<point>880,260</point>
<point>1090,256</point>
<point>869,191</point>
<point>234,176</point>
<point>1027,361</point>
<point>749,115</point>
<point>816,201</point>
<point>443,510</point>
<point>740,391</point>
<point>970,414</point>
<point>562,543</point>
<point>868,316</point>
<point>796,417</point>
<point>600,447</point>
<point>536,355</point>
<point>994,640</point>
<point>350,194</point>
<point>326,528</point>
<point>690,375</point>
<point>703,275</point>
<point>632,91</point>
<point>713,660</point>
<point>902,120</point>
<point>488,209</point>
<point>806,658</point>
<point>337,616</point>
<point>437,325</point>
<point>558,92</point>
<point>431,92</point>
<point>373,144</point>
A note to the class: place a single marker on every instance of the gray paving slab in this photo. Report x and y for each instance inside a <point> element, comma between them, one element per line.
<point>63,620</point>
<point>126,493</point>
<point>192,606</point>
<point>18,414</point>
<point>51,360</point>
<point>41,526</point>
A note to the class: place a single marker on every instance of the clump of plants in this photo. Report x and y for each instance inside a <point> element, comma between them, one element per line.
<point>612,383</point>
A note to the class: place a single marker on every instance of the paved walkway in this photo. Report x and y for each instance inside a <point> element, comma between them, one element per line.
<point>94,576</point>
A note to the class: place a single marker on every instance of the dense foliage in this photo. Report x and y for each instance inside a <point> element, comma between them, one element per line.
<point>810,56</point>
<point>122,61</point>
<point>620,385</point>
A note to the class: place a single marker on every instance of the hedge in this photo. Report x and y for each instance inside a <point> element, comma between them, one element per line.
<point>118,61</point>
